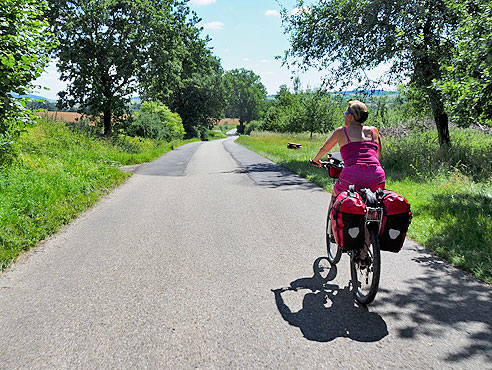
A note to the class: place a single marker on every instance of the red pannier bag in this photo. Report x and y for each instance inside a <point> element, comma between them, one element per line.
<point>335,172</point>
<point>396,220</point>
<point>347,220</point>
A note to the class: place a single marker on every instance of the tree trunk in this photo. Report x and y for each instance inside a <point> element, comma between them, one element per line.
<point>240,127</point>
<point>440,118</point>
<point>107,122</point>
<point>108,98</point>
<point>429,67</point>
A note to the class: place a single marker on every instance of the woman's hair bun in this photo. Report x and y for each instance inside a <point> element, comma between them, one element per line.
<point>363,116</point>
<point>359,110</point>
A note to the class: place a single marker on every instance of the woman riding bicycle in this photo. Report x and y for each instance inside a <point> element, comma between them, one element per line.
<point>360,147</point>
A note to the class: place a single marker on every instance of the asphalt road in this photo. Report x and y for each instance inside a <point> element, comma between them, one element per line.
<point>203,259</point>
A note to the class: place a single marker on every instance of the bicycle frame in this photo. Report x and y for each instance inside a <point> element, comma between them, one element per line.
<point>374,215</point>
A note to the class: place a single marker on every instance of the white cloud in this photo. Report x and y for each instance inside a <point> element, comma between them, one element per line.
<point>273,13</point>
<point>227,50</point>
<point>246,59</point>
<point>50,79</point>
<point>266,61</point>
<point>214,26</point>
<point>203,2</point>
<point>268,73</point>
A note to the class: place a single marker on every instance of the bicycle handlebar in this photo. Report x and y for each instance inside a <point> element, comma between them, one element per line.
<point>323,164</point>
<point>334,160</point>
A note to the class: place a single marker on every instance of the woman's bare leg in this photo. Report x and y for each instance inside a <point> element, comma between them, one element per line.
<point>330,231</point>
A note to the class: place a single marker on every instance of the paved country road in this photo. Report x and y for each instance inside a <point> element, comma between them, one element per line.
<point>203,259</point>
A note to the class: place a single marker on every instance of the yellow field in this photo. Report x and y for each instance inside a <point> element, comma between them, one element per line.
<point>228,121</point>
<point>61,116</point>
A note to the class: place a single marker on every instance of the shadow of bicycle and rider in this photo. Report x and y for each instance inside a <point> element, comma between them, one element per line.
<point>329,311</point>
<point>432,305</point>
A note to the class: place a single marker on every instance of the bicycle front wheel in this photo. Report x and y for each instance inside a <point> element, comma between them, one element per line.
<point>366,271</point>
<point>334,251</point>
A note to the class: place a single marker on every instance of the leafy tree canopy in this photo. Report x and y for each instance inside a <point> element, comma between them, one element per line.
<point>183,73</point>
<point>246,94</point>
<point>24,47</point>
<point>348,37</point>
<point>106,46</point>
<point>202,102</point>
<point>312,111</point>
<point>467,76</point>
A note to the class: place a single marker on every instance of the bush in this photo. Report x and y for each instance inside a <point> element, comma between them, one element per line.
<point>214,135</point>
<point>249,127</point>
<point>156,121</point>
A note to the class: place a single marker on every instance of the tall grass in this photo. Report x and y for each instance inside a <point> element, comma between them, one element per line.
<point>58,174</point>
<point>450,190</point>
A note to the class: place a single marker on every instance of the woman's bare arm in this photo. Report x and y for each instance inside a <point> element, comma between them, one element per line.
<point>376,132</point>
<point>328,145</point>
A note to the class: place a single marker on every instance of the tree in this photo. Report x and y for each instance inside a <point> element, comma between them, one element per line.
<point>275,117</point>
<point>199,97</point>
<point>318,112</point>
<point>105,48</point>
<point>24,48</point>
<point>183,73</point>
<point>467,76</point>
<point>246,94</point>
<point>311,111</point>
<point>347,37</point>
<point>202,102</point>
<point>156,121</point>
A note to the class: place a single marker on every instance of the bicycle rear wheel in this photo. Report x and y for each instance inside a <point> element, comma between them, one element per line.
<point>334,251</point>
<point>365,278</point>
<point>321,269</point>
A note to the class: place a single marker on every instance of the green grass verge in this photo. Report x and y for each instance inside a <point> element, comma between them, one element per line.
<point>58,174</point>
<point>214,135</point>
<point>450,190</point>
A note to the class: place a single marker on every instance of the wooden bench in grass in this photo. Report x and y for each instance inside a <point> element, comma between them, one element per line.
<point>294,146</point>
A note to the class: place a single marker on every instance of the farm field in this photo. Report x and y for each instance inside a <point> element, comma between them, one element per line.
<point>70,117</point>
<point>228,121</point>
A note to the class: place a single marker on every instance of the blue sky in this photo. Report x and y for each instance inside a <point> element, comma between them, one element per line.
<point>249,34</point>
<point>245,34</point>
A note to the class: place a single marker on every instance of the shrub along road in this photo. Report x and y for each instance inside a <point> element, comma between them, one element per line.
<point>204,259</point>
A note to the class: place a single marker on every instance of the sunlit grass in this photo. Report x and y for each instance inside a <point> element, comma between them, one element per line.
<point>450,190</point>
<point>58,174</point>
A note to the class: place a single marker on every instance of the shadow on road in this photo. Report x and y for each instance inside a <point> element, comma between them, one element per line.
<point>444,299</point>
<point>329,312</point>
<point>273,176</point>
<point>171,164</point>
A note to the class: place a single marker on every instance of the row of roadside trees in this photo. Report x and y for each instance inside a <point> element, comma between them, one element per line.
<point>110,50</point>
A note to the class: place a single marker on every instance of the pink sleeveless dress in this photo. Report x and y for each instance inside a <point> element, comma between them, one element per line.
<point>362,168</point>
